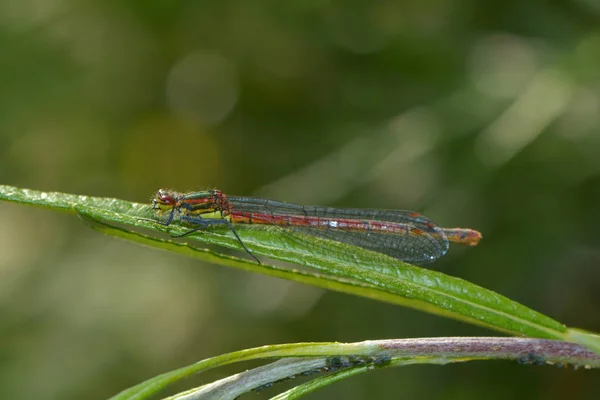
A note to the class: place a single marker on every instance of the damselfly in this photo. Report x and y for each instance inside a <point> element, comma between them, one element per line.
<point>404,235</point>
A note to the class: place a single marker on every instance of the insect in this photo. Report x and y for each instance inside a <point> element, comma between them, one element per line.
<point>404,235</point>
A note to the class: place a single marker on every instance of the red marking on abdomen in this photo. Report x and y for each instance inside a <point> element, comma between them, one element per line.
<point>343,224</point>
<point>466,236</point>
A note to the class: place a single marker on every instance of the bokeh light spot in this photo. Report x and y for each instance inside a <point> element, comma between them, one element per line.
<point>202,86</point>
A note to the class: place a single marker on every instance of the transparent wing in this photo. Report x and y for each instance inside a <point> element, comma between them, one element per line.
<point>415,238</point>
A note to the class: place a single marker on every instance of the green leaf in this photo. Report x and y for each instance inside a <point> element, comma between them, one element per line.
<point>366,274</point>
<point>588,339</point>
<point>354,358</point>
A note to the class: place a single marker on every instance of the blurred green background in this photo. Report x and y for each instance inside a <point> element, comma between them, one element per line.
<point>479,114</point>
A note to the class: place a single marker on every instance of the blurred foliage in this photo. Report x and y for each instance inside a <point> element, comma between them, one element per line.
<point>480,114</point>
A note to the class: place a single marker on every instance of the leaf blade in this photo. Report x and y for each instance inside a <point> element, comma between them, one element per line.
<point>370,275</point>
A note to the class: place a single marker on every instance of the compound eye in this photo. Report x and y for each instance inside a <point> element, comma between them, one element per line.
<point>166,199</point>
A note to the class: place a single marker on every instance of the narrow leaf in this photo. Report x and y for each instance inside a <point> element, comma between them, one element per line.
<point>367,274</point>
